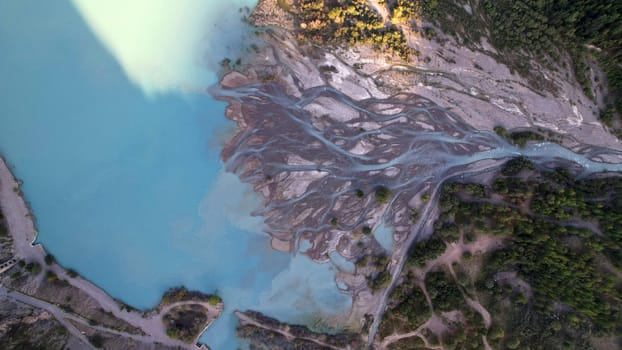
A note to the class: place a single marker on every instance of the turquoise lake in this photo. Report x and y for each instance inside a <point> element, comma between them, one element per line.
<point>128,187</point>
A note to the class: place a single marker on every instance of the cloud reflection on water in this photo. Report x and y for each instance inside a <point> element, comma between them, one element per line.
<point>166,46</point>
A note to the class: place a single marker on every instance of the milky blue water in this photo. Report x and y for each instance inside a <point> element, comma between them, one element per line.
<point>129,190</point>
<point>384,236</point>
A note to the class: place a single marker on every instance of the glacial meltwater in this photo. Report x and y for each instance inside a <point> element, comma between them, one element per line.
<point>105,117</point>
<point>119,151</point>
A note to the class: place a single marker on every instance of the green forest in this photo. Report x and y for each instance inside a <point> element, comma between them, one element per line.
<point>560,243</point>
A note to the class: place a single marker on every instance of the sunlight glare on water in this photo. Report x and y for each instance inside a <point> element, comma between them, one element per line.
<point>166,45</point>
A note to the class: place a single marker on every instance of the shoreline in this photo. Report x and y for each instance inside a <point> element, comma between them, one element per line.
<point>18,206</point>
<point>22,229</point>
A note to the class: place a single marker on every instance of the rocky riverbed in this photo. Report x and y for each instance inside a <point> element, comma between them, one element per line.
<point>341,140</point>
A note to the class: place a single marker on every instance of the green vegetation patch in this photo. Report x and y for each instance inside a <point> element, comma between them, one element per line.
<point>443,291</point>
<point>33,267</point>
<point>550,285</point>
<point>49,259</point>
<point>214,300</point>
<point>348,21</point>
<point>516,165</point>
<point>408,311</point>
<point>383,195</point>
<point>37,333</point>
<point>177,294</point>
<point>519,138</point>
<point>185,322</point>
<point>4,232</point>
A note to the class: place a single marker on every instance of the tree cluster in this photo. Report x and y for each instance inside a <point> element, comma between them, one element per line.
<point>348,21</point>
<point>562,238</point>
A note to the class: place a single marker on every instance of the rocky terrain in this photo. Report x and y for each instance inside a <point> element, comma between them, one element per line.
<point>271,334</point>
<point>341,139</point>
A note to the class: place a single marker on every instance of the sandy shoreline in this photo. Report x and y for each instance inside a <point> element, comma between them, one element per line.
<point>19,218</point>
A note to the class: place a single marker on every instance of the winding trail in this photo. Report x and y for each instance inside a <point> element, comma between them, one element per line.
<point>401,253</point>
<point>61,316</point>
<point>244,319</point>
<point>399,336</point>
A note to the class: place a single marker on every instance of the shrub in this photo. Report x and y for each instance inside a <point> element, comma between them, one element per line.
<point>96,340</point>
<point>51,276</point>
<point>514,343</point>
<point>497,333</point>
<point>422,251</point>
<point>49,259</point>
<point>214,300</point>
<point>515,165</point>
<point>425,198</point>
<point>383,195</point>
<point>382,280</point>
<point>33,267</point>
<point>334,223</point>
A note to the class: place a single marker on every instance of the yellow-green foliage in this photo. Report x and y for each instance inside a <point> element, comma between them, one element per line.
<point>405,10</point>
<point>348,21</point>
